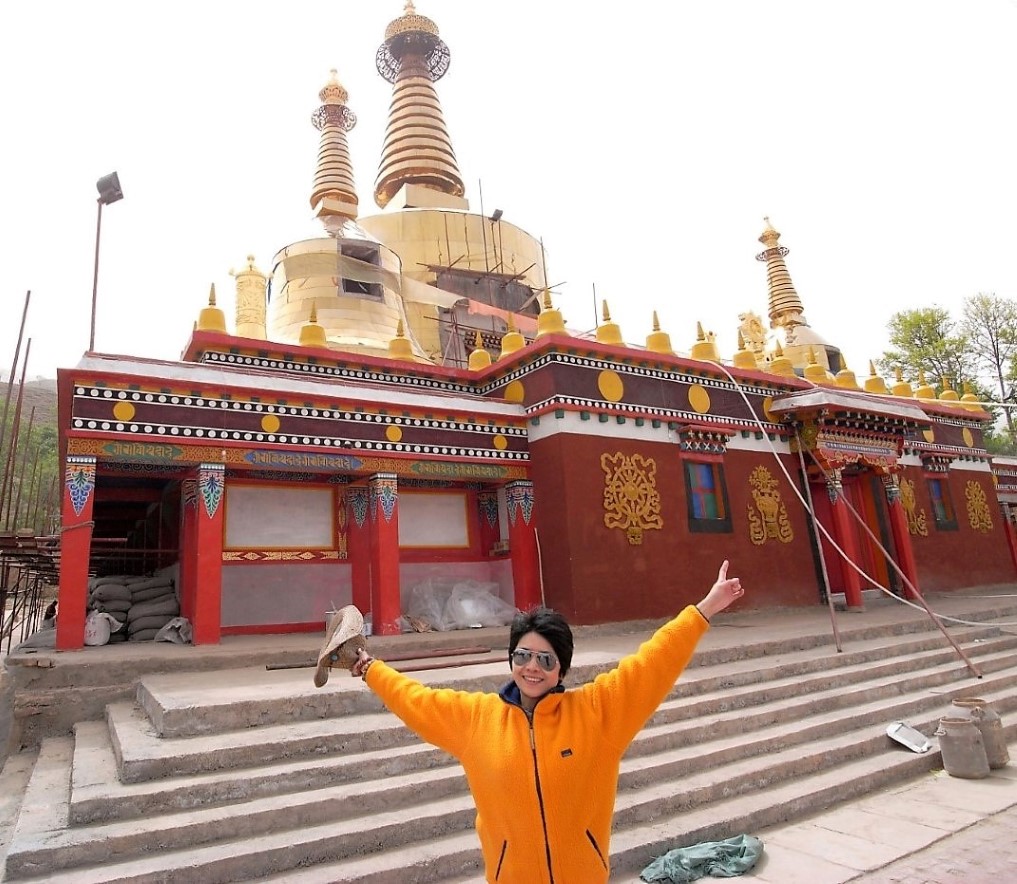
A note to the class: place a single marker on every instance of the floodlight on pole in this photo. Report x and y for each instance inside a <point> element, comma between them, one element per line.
<point>109,192</point>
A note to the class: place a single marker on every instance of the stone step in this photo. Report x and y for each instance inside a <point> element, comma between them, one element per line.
<point>142,754</point>
<point>254,697</point>
<point>287,820</point>
<point>642,799</point>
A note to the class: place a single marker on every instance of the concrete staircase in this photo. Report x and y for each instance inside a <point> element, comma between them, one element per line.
<point>254,775</point>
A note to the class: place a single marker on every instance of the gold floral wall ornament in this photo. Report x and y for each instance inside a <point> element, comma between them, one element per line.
<point>978,507</point>
<point>917,522</point>
<point>631,499</point>
<point>769,519</point>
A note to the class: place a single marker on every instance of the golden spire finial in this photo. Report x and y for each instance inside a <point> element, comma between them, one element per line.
<point>845,377</point>
<point>924,390</point>
<point>898,373</point>
<point>780,364</point>
<point>400,332</point>
<point>949,394</point>
<point>705,348</point>
<point>814,371</point>
<point>608,332</point>
<point>211,317</point>
<point>311,333</point>
<point>658,341</point>
<point>511,341</point>
<point>874,383</point>
<point>550,321</point>
<point>479,357</point>
<point>400,346</point>
<point>744,357</point>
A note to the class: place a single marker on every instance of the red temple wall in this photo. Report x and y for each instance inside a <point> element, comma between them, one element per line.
<point>594,575</point>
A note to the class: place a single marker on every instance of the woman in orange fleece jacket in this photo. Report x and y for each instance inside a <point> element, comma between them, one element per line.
<point>542,762</point>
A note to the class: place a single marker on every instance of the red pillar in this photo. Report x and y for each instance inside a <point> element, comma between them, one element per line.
<point>1011,537</point>
<point>844,534</point>
<point>386,604</point>
<point>490,529</point>
<point>208,554</point>
<point>359,546</point>
<point>75,547</point>
<point>901,535</point>
<point>188,548</point>
<point>523,544</point>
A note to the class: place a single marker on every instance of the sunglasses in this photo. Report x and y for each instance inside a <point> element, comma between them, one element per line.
<point>545,659</point>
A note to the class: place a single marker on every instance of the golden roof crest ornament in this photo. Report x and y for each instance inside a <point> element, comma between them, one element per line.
<point>414,34</point>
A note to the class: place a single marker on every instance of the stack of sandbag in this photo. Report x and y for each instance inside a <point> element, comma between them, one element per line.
<point>111,595</point>
<point>153,605</point>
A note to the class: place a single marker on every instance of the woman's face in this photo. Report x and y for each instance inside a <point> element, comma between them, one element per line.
<point>532,679</point>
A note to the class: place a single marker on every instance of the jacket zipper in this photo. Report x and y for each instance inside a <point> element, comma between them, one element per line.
<point>540,801</point>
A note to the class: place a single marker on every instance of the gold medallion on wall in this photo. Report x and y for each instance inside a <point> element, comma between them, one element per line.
<point>631,499</point>
<point>929,434</point>
<point>769,519</point>
<point>393,433</point>
<point>699,399</point>
<point>123,411</point>
<point>968,437</point>
<point>515,392</point>
<point>978,507</point>
<point>610,385</point>
<point>917,523</point>
<point>270,423</point>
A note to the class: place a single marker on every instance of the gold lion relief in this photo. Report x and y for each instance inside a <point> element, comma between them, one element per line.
<point>917,522</point>
<point>631,499</point>
<point>978,508</point>
<point>769,519</point>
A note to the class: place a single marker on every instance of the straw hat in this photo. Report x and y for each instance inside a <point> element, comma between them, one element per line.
<point>343,638</point>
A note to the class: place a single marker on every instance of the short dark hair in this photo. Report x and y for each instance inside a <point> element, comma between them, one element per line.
<point>548,624</point>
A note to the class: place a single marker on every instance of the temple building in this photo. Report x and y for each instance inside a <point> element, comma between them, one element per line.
<point>401,404</point>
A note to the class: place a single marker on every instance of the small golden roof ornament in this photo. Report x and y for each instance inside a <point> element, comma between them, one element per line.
<point>608,332</point>
<point>901,387</point>
<point>704,348</point>
<point>512,340</point>
<point>780,365</point>
<point>969,398</point>
<point>550,321</point>
<point>211,317</point>
<point>744,357</point>
<point>949,394</point>
<point>479,357</point>
<point>814,371</point>
<point>312,334</point>
<point>874,383</point>
<point>925,390</point>
<point>400,347</point>
<point>658,341</point>
<point>846,378</point>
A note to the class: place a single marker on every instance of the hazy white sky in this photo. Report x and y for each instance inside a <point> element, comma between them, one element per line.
<point>643,141</point>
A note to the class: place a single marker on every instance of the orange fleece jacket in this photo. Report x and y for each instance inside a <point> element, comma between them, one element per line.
<point>545,792</point>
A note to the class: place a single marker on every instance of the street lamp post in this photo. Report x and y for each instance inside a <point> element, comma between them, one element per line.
<point>109,192</point>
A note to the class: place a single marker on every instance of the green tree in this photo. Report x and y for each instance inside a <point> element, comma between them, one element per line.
<point>927,341</point>
<point>990,326</point>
